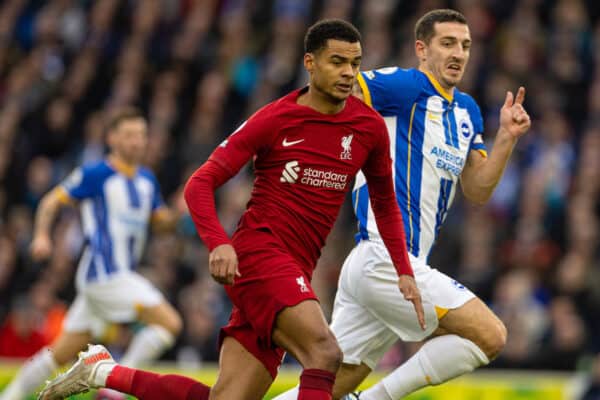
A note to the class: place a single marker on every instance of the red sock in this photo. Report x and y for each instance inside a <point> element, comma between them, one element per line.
<point>150,386</point>
<point>316,384</point>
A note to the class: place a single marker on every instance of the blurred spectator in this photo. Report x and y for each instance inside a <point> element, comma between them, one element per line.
<point>20,334</point>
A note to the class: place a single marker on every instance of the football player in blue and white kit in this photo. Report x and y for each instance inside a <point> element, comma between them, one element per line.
<point>436,143</point>
<point>118,200</point>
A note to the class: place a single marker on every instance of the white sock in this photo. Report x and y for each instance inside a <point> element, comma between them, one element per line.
<point>102,373</point>
<point>31,375</point>
<point>291,394</point>
<point>147,345</point>
<point>439,360</point>
<point>376,391</point>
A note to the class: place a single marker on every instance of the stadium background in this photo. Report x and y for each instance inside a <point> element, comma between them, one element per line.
<point>199,67</point>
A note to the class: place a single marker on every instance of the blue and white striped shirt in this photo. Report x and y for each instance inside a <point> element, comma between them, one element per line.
<point>116,209</point>
<point>431,135</point>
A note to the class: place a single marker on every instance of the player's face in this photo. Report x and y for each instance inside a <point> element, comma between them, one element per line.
<point>447,53</point>
<point>334,68</point>
<point>129,139</point>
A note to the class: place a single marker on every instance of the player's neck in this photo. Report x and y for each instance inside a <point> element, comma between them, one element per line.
<point>122,165</point>
<point>320,102</point>
<point>439,84</point>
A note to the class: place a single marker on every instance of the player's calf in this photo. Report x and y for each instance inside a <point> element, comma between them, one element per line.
<point>493,339</point>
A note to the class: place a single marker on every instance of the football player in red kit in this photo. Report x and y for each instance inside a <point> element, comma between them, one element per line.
<point>307,148</point>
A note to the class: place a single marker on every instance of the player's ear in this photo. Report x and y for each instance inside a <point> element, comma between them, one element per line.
<point>111,137</point>
<point>309,62</point>
<point>421,50</point>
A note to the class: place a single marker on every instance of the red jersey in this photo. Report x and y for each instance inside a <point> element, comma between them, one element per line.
<point>304,163</point>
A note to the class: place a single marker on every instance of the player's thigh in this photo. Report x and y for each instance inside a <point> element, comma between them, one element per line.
<point>241,375</point>
<point>163,315</point>
<point>476,322</point>
<point>303,331</point>
<point>348,378</point>
<point>66,346</point>
<point>361,335</point>
<point>370,280</point>
<point>80,326</point>
<point>122,297</point>
<point>379,294</point>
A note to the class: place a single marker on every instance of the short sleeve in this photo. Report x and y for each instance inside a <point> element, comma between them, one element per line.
<point>84,182</point>
<point>477,142</point>
<point>252,137</point>
<point>390,90</point>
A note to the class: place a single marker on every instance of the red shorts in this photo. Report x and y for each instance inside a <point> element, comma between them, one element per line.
<point>270,281</point>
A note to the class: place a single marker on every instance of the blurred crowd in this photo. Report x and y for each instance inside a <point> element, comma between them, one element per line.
<point>198,68</point>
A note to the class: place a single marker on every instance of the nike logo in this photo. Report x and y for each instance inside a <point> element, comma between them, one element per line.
<point>285,142</point>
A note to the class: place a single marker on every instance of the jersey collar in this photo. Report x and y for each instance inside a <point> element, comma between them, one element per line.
<point>126,169</point>
<point>443,92</point>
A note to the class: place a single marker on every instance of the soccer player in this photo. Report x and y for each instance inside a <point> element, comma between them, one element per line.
<point>307,148</point>
<point>118,199</point>
<point>436,137</point>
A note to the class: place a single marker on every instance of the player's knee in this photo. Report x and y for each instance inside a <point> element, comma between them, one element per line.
<point>336,356</point>
<point>175,324</point>
<point>494,340</point>
<point>323,353</point>
<point>172,322</point>
<point>217,391</point>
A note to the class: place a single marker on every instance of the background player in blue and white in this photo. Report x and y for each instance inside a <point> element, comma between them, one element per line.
<point>118,200</point>
<point>436,143</point>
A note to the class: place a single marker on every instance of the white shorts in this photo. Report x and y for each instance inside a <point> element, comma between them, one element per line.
<point>370,314</point>
<point>117,300</point>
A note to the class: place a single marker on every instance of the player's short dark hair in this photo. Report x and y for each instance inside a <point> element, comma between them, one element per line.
<point>317,35</point>
<point>425,26</point>
<point>123,114</point>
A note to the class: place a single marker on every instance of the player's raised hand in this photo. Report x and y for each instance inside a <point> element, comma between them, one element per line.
<point>409,289</point>
<point>41,247</point>
<point>513,117</point>
<point>223,264</point>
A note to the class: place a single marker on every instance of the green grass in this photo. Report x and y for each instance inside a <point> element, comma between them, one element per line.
<point>488,385</point>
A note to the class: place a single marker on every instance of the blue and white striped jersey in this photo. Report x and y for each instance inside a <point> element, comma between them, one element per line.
<point>116,209</point>
<point>431,134</point>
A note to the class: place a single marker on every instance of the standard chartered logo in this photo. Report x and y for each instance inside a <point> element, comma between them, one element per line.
<point>290,172</point>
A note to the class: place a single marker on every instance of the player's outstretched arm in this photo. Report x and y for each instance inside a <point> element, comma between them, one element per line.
<point>41,244</point>
<point>481,174</point>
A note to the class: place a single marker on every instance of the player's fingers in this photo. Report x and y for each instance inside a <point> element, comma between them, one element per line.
<point>214,272</point>
<point>224,271</point>
<point>217,269</point>
<point>40,254</point>
<point>520,95</point>
<point>523,119</point>
<point>518,118</point>
<point>518,108</point>
<point>231,270</point>
<point>420,312</point>
<point>508,101</point>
